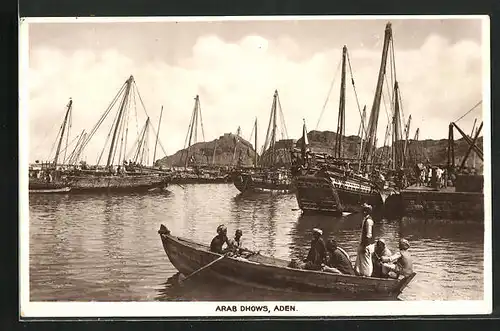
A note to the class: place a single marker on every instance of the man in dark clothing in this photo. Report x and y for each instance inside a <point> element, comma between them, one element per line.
<point>317,253</point>
<point>219,240</point>
<point>338,260</point>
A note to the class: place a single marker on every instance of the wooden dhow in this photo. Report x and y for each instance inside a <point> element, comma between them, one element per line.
<point>336,183</point>
<point>272,170</point>
<point>114,175</point>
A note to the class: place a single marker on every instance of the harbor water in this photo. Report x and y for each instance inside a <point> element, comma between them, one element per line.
<point>107,248</point>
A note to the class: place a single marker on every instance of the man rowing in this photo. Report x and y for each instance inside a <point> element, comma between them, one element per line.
<point>219,240</point>
<point>317,252</point>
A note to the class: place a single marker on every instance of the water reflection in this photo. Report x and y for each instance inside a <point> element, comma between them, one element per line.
<point>100,247</point>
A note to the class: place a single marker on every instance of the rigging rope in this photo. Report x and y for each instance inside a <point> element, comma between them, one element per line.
<point>68,146</point>
<point>329,93</point>
<point>384,101</point>
<point>55,142</point>
<point>355,93</point>
<point>282,119</point>
<point>266,143</point>
<point>201,120</point>
<point>145,111</point>
<point>107,138</point>
<point>251,134</point>
<point>159,142</point>
<point>103,116</point>
<point>475,106</point>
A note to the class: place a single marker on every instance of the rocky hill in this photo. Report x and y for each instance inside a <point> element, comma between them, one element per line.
<point>228,148</point>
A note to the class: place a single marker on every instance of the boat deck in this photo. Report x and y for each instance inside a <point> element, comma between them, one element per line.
<point>444,203</point>
<point>415,188</point>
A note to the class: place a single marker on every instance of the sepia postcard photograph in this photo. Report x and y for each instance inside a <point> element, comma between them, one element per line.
<point>255,166</point>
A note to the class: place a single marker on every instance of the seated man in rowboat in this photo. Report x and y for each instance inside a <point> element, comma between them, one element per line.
<point>338,261</point>
<point>235,245</point>
<point>380,251</point>
<point>219,240</point>
<point>399,263</point>
<point>317,252</point>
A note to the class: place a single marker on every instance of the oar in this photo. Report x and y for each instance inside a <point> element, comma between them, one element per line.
<point>204,267</point>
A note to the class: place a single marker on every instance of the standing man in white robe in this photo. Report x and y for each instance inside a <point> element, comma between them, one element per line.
<point>364,264</point>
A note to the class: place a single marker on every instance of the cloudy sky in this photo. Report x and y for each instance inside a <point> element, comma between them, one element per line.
<point>235,66</point>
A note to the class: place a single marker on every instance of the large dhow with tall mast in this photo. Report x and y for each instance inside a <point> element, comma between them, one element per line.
<point>271,171</point>
<point>335,183</point>
<point>118,174</point>
<point>49,177</point>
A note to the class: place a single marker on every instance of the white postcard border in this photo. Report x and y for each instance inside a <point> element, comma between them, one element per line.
<point>32,309</point>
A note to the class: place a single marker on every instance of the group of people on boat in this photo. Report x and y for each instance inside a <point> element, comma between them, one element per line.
<point>373,258</point>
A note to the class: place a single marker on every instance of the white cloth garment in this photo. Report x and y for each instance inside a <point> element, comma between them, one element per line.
<point>364,264</point>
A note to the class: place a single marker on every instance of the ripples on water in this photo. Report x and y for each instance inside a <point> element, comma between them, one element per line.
<point>106,247</point>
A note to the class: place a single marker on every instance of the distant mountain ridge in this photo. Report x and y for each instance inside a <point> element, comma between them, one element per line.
<point>435,151</point>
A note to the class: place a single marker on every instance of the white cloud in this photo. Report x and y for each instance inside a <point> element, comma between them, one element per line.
<point>236,81</point>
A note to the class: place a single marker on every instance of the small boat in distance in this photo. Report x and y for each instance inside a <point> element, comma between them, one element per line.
<point>64,189</point>
<point>271,274</point>
<point>271,172</point>
<point>50,177</point>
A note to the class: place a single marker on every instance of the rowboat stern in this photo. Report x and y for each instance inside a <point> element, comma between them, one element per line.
<point>404,282</point>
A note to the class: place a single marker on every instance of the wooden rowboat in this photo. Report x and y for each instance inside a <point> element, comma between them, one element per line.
<point>51,190</point>
<point>271,274</point>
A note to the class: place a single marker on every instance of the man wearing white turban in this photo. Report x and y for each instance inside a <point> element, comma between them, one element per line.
<point>317,253</point>
<point>364,263</point>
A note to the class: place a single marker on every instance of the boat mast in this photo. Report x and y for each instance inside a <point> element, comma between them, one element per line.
<point>58,150</point>
<point>191,128</point>
<point>119,119</point>
<point>305,142</point>
<point>255,144</point>
<point>407,134</point>
<point>396,131</point>
<point>237,139</point>
<point>140,141</point>
<point>273,135</point>
<point>471,146</point>
<point>341,118</point>
<point>374,114</point>
<point>361,132</point>
<point>157,134</point>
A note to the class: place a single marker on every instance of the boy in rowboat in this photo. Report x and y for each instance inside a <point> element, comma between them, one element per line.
<point>399,263</point>
<point>236,245</point>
